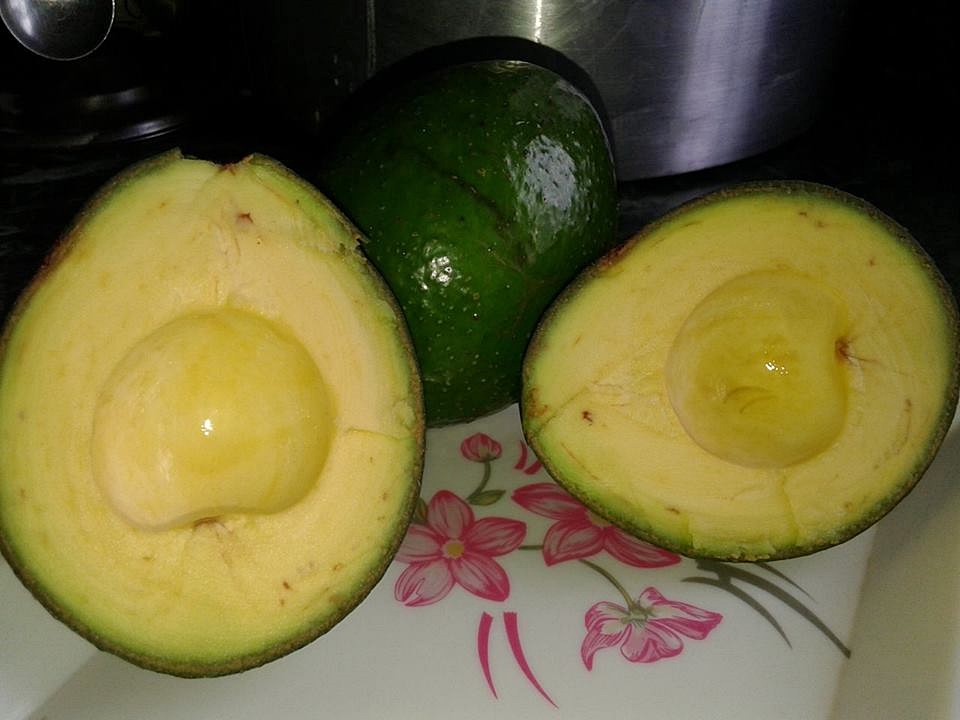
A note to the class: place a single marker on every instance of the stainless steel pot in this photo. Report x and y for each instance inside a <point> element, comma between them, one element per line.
<point>686,84</point>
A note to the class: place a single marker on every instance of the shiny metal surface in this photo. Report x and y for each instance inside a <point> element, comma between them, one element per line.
<point>686,84</point>
<point>59,29</point>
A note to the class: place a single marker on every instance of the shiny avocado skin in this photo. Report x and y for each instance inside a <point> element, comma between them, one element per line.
<point>482,189</point>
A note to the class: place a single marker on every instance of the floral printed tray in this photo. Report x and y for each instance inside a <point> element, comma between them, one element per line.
<point>508,599</point>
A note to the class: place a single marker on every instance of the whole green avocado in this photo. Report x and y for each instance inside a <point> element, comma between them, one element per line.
<point>482,188</point>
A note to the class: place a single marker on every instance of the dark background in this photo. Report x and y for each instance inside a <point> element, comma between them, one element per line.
<point>205,84</point>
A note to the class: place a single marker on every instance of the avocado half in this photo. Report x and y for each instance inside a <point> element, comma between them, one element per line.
<point>211,420</point>
<point>481,188</point>
<point>761,373</point>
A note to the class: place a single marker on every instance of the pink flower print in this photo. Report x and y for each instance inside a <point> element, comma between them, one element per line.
<point>480,447</point>
<point>578,533</point>
<point>527,469</point>
<point>651,628</point>
<point>453,548</point>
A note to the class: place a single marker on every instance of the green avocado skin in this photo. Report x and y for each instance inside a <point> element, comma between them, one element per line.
<point>482,189</point>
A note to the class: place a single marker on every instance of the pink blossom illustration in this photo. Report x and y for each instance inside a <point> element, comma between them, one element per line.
<point>650,628</point>
<point>511,624</point>
<point>447,545</point>
<point>522,464</point>
<point>480,447</point>
<point>451,548</point>
<point>578,533</point>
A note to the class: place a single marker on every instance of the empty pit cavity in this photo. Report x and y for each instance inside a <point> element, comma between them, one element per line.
<point>214,412</point>
<point>754,375</point>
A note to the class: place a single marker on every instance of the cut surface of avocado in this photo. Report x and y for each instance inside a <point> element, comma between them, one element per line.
<point>211,420</point>
<point>762,373</point>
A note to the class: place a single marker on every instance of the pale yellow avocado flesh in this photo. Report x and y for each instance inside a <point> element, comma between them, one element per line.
<point>210,419</point>
<point>761,374</point>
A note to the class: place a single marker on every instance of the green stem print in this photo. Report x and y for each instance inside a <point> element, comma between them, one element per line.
<point>613,581</point>
<point>727,573</point>
<point>482,496</point>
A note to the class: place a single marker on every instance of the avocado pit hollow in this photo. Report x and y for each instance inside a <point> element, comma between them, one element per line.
<point>754,375</point>
<point>216,411</point>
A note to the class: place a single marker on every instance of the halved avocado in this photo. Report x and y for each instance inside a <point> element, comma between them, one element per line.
<point>211,421</point>
<point>762,373</point>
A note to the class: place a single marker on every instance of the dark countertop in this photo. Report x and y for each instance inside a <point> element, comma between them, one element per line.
<point>887,134</point>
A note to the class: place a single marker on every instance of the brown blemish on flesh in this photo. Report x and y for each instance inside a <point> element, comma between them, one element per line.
<point>904,429</point>
<point>842,347</point>
<point>845,353</point>
<point>336,599</point>
<point>817,222</point>
<point>587,417</point>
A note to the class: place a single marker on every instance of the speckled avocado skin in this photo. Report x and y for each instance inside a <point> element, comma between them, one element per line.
<point>482,189</point>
